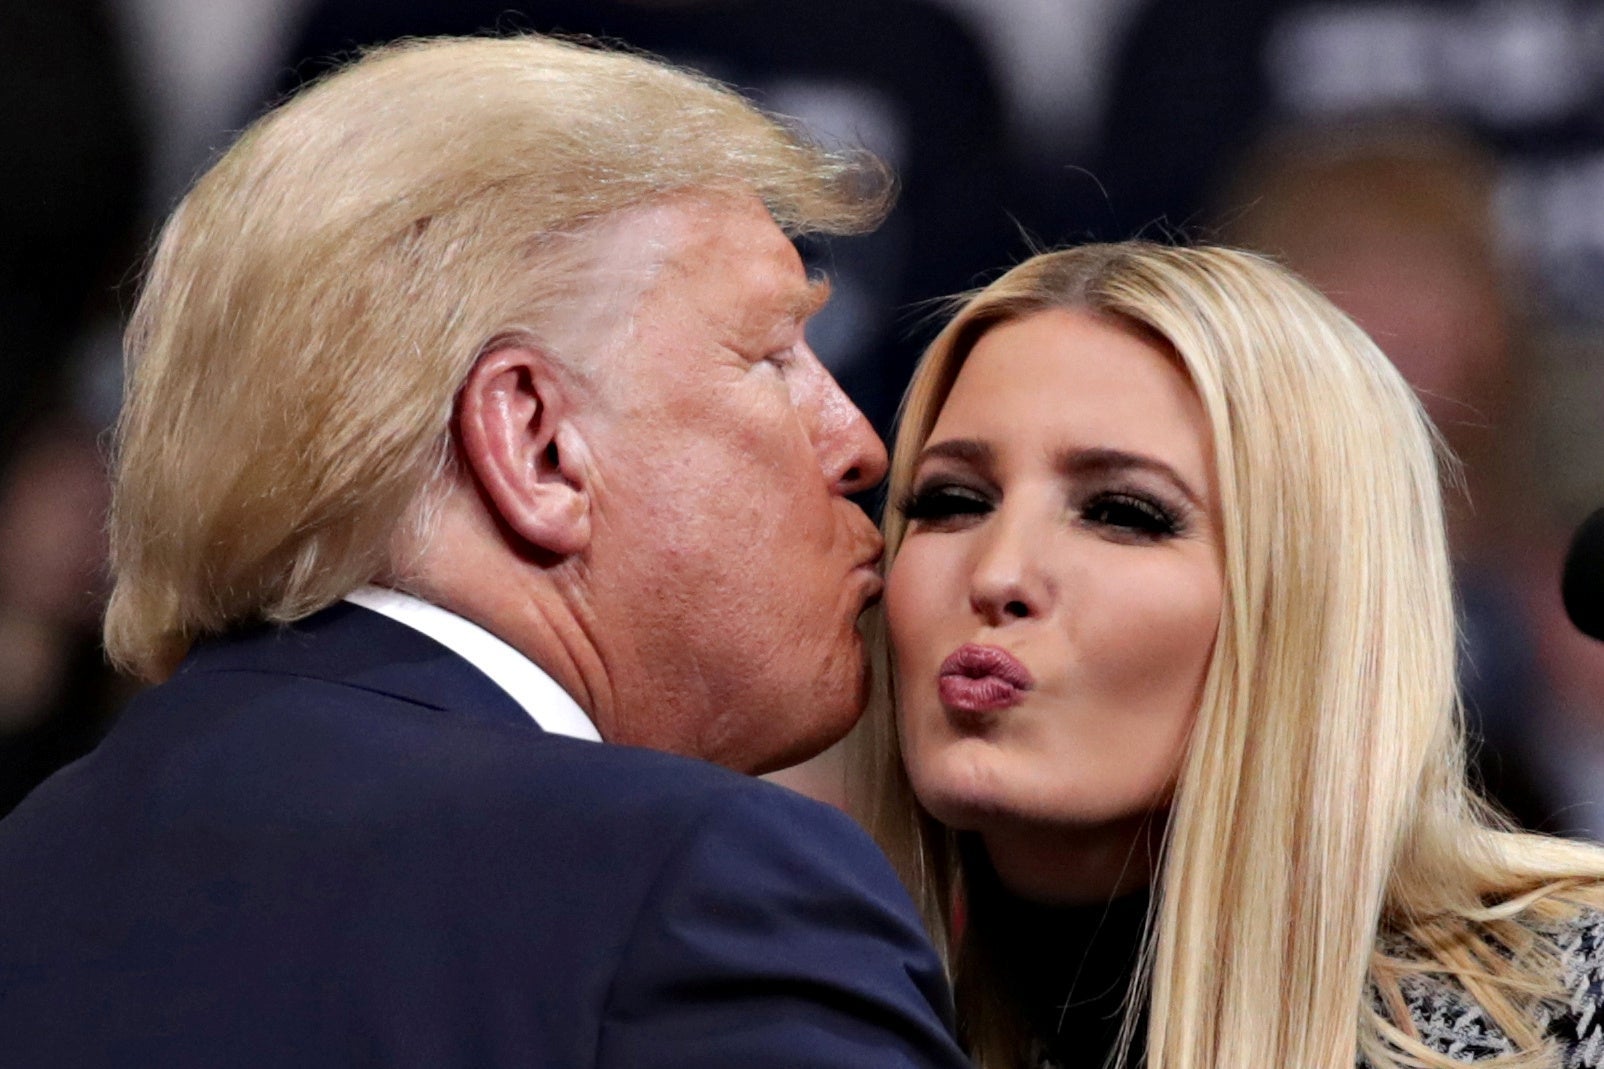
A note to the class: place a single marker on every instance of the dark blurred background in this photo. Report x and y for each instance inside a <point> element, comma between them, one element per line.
<point>1436,166</point>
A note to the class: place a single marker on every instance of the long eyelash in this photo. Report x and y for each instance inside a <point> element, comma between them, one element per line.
<point>1157,519</point>
<point>940,502</point>
<point>915,505</point>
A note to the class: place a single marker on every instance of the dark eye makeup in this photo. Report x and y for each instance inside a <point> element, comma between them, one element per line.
<point>935,501</point>
<point>1135,514</point>
<point>1126,514</point>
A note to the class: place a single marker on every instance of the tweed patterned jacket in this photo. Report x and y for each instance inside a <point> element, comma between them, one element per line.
<point>1453,1024</point>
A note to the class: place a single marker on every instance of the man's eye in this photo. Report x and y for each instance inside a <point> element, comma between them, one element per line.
<point>1131,514</point>
<point>933,504</point>
<point>781,358</point>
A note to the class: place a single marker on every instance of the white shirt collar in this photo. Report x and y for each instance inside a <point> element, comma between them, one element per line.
<point>522,679</point>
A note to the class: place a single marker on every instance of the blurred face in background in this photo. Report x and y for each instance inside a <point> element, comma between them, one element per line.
<point>1054,603</point>
<point>1434,310</point>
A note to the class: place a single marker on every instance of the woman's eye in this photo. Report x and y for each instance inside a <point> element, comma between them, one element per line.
<point>934,504</point>
<point>1131,514</point>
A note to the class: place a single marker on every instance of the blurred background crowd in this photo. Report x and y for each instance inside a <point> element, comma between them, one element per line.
<point>1435,166</point>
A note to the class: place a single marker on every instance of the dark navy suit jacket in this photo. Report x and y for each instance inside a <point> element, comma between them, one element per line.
<point>340,844</point>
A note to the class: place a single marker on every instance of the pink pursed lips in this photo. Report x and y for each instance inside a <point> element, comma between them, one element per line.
<point>982,679</point>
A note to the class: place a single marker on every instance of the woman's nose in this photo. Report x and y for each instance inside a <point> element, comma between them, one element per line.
<point>1008,582</point>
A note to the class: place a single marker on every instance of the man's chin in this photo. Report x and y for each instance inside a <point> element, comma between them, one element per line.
<point>824,729</point>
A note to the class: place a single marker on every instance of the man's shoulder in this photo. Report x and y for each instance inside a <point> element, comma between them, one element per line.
<point>237,755</point>
<point>351,696</point>
<point>332,737</point>
<point>310,788</point>
<point>614,896</point>
<point>783,913</point>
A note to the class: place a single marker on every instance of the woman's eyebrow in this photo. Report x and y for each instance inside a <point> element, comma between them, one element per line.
<point>969,450</point>
<point>1104,461</point>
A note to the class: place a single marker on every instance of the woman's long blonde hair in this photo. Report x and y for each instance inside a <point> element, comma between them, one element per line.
<point>1321,812</point>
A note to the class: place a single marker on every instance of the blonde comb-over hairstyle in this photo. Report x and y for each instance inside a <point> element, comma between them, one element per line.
<point>315,301</point>
<point>1321,846</point>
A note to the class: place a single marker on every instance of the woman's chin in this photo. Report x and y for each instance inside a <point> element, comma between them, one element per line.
<point>966,786</point>
<point>965,804</point>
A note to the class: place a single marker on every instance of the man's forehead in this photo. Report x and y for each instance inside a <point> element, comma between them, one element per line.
<point>762,301</point>
<point>729,231</point>
<point>726,250</point>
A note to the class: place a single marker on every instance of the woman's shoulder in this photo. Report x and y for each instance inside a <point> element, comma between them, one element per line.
<point>1451,1022</point>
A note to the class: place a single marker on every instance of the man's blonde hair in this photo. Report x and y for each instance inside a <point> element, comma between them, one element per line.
<point>1322,842</point>
<point>316,300</point>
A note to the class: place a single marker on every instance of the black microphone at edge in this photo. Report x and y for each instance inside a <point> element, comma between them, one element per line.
<point>1583,585</point>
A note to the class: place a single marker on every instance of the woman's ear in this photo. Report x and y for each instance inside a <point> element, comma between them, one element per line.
<point>515,434</point>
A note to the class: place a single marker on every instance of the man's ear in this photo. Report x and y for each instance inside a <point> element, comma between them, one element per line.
<point>515,435</point>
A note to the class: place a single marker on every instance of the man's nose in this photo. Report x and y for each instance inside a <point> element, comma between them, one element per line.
<point>1006,582</point>
<point>851,454</point>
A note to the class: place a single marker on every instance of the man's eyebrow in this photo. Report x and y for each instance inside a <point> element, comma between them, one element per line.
<point>804,304</point>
